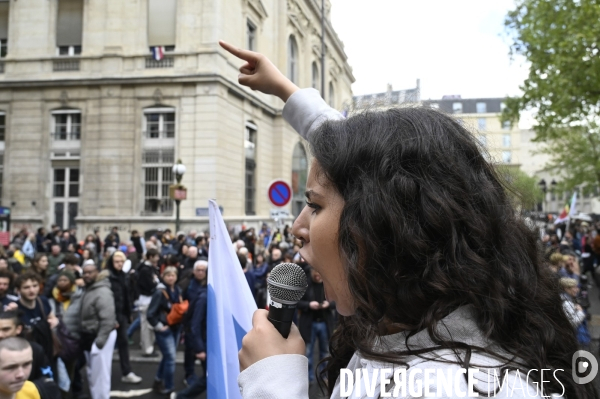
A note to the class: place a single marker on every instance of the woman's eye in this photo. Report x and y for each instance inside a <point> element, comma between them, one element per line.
<point>314,206</point>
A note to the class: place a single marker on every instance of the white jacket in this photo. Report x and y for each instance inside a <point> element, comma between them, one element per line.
<point>286,376</point>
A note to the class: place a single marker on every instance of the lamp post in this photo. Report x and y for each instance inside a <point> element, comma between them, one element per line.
<point>553,185</point>
<point>178,192</point>
<point>544,188</point>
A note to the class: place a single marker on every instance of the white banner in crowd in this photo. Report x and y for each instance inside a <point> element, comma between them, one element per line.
<point>230,310</point>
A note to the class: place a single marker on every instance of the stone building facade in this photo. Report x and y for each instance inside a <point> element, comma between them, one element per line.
<point>92,124</point>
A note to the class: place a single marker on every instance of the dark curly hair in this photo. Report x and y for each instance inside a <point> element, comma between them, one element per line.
<point>427,226</point>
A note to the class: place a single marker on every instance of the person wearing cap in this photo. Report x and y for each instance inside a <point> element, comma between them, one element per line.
<point>572,309</point>
<point>65,302</point>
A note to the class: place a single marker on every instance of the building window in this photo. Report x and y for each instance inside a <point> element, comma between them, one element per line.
<point>506,140</point>
<point>331,95</point>
<point>251,34</point>
<point>506,125</point>
<point>162,16</point>
<point>69,27</point>
<point>3,28</point>
<point>69,50</point>
<point>250,183</point>
<point>65,196</point>
<point>457,108</point>
<point>157,167</point>
<point>292,60</point>
<point>481,108</point>
<point>159,123</point>
<point>481,125</point>
<point>316,81</point>
<point>506,156</point>
<point>2,126</point>
<point>299,176</point>
<point>66,125</point>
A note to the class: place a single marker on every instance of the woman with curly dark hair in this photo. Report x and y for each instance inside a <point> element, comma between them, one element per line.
<point>418,244</point>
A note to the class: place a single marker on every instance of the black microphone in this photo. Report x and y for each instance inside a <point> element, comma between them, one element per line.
<point>286,285</point>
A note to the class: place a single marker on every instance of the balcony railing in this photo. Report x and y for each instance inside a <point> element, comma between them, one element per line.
<point>1,67</point>
<point>65,65</point>
<point>167,62</point>
<point>63,136</point>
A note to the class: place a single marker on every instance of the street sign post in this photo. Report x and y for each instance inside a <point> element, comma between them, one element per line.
<point>280,194</point>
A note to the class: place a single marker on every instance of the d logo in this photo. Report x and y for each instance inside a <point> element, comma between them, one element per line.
<point>584,366</point>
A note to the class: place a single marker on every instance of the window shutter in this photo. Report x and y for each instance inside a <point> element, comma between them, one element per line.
<point>69,24</point>
<point>161,22</point>
<point>4,19</point>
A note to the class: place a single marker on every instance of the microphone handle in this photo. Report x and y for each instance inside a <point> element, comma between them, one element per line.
<point>281,316</point>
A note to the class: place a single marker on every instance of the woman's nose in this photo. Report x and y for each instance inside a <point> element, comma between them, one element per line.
<point>300,228</point>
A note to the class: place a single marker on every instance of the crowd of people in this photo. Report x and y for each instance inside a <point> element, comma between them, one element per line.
<point>76,302</point>
<point>571,251</point>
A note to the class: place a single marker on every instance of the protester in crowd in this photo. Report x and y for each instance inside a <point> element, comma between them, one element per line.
<point>166,295</point>
<point>418,243</point>
<point>572,309</point>
<point>65,301</point>
<point>557,263</point>
<point>11,325</point>
<point>186,268</point>
<point>55,259</point>
<point>146,278</point>
<point>16,362</point>
<point>112,239</point>
<point>4,264</point>
<point>8,301</point>
<point>260,280</point>
<point>41,242</point>
<point>29,247</point>
<point>119,286</point>
<point>191,238</point>
<point>71,264</point>
<point>98,333</point>
<point>275,258</point>
<point>40,266</point>
<point>571,267</point>
<point>316,320</point>
<point>191,294</point>
<point>202,246</point>
<point>36,313</point>
<point>139,243</point>
<point>195,329</point>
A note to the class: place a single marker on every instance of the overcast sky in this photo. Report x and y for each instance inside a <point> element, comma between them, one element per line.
<point>454,47</point>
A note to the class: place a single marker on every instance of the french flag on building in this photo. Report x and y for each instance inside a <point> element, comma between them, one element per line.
<point>158,53</point>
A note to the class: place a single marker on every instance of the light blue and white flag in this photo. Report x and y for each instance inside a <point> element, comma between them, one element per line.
<point>230,310</point>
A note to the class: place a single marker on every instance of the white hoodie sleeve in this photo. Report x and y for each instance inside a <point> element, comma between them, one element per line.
<point>305,110</point>
<point>276,377</point>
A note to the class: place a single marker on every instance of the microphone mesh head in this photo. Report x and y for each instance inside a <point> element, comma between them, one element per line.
<point>287,283</point>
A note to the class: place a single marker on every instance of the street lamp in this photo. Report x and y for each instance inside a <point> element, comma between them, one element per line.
<point>179,192</point>
<point>553,185</point>
<point>544,188</point>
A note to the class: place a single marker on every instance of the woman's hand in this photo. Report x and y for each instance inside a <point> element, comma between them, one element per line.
<point>264,341</point>
<point>259,73</point>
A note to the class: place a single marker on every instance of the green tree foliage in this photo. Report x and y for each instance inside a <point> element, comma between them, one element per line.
<point>522,188</point>
<point>561,40</point>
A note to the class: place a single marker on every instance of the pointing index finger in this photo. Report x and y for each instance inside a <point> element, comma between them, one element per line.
<point>245,55</point>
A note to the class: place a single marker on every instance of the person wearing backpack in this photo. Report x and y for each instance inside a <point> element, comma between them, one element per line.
<point>98,333</point>
<point>165,314</point>
<point>119,284</point>
<point>36,314</point>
